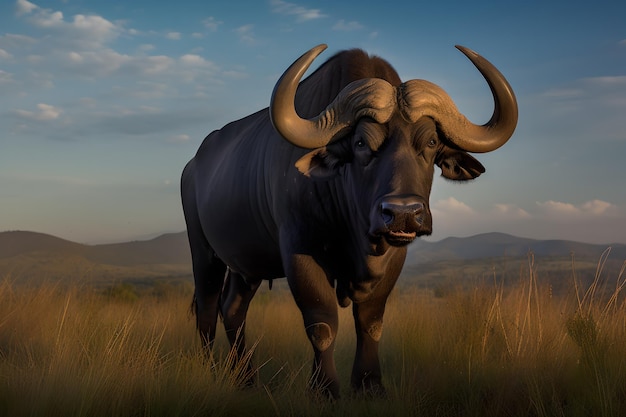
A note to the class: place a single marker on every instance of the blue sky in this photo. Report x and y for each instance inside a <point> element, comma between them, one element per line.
<point>103,103</point>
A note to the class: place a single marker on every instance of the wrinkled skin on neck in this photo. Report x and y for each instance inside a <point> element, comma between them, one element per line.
<point>380,166</point>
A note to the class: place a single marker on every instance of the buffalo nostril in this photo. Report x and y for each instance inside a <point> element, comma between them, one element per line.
<point>388,215</point>
<point>400,212</point>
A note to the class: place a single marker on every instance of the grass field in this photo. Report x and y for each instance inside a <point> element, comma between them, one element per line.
<point>487,350</point>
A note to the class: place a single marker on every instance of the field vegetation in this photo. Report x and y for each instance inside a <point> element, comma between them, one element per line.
<point>479,349</point>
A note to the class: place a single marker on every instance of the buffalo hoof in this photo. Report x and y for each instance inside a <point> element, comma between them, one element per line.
<point>370,388</point>
<point>248,383</point>
<point>324,392</point>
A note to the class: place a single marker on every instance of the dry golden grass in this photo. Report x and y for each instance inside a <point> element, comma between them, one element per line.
<point>488,350</point>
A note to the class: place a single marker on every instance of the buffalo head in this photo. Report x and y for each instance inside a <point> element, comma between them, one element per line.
<point>384,140</point>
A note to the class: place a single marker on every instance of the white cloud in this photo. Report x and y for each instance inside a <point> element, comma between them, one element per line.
<point>558,207</point>
<point>592,221</point>
<point>211,23</point>
<point>81,29</point>
<point>175,36</point>
<point>566,211</point>
<point>24,7</point>
<point>142,121</point>
<point>88,102</point>
<point>12,40</point>
<point>48,20</point>
<point>152,64</point>
<point>236,75</point>
<point>34,59</point>
<point>192,59</point>
<point>107,62</point>
<point>608,81</point>
<point>452,205</point>
<point>5,77</point>
<point>79,46</point>
<point>563,93</point>
<point>345,26</point>
<point>582,90</point>
<point>95,63</point>
<point>5,55</point>
<point>601,100</point>
<point>45,112</point>
<point>597,207</point>
<point>511,211</point>
<point>246,34</point>
<point>94,25</point>
<point>290,9</point>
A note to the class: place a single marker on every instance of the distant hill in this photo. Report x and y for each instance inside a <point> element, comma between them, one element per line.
<point>18,243</point>
<point>490,245</point>
<point>32,256</point>
<point>171,248</point>
<point>459,261</point>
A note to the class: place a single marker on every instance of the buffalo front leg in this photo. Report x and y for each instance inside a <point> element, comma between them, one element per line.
<point>316,299</point>
<point>368,321</point>
<point>236,298</point>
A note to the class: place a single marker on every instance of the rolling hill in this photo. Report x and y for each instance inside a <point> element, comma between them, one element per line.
<point>31,256</point>
<point>507,259</point>
<point>497,245</point>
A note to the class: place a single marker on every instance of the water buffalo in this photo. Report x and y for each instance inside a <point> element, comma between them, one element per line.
<point>327,187</point>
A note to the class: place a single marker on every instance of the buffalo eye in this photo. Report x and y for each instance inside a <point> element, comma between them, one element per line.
<point>360,144</point>
<point>432,143</point>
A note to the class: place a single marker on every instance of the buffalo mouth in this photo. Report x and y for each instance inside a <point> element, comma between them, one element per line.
<point>399,238</point>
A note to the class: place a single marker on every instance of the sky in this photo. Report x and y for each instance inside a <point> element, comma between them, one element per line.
<point>102,103</point>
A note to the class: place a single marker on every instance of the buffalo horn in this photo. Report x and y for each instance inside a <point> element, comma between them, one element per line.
<point>370,97</point>
<point>419,98</point>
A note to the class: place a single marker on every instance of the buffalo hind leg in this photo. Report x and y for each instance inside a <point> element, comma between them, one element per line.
<point>208,272</point>
<point>208,269</point>
<point>208,276</point>
<point>236,298</point>
<point>317,301</point>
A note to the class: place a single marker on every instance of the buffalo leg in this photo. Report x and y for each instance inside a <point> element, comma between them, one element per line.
<point>208,269</point>
<point>368,321</point>
<point>208,272</point>
<point>316,299</point>
<point>236,299</point>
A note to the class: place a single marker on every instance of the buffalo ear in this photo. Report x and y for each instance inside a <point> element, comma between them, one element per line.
<point>459,165</point>
<point>319,164</point>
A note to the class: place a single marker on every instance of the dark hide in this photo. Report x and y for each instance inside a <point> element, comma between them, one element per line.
<point>335,220</point>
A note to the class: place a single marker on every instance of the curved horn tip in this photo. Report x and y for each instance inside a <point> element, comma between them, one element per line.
<point>466,51</point>
<point>316,50</point>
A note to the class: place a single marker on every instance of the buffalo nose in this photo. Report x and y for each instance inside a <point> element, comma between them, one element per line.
<point>401,213</point>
